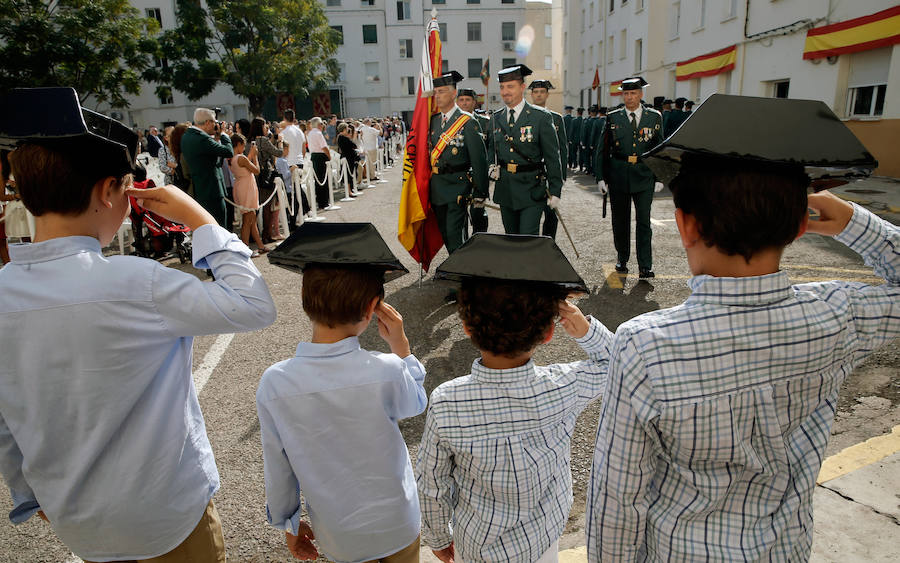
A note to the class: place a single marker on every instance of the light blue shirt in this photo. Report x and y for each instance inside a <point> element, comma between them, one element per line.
<point>328,421</point>
<point>99,421</point>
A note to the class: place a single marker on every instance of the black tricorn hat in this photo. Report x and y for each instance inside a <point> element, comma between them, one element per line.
<point>448,79</point>
<point>54,117</point>
<point>337,244</point>
<point>540,84</point>
<point>466,92</point>
<point>767,131</point>
<point>515,72</point>
<point>569,107</point>
<point>513,258</point>
<point>633,83</point>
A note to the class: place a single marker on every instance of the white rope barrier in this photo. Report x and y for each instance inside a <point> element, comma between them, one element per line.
<point>345,176</point>
<point>309,181</point>
<point>329,175</point>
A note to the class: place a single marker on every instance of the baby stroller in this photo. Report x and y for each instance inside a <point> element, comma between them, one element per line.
<point>155,236</point>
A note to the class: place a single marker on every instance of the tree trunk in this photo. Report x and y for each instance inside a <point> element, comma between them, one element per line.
<point>256,105</point>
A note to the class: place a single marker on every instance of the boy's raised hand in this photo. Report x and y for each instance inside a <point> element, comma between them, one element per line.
<point>390,328</point>
<point>173,204</point>
<point>834,213</point>
<point>301,546</point>
<point>573,320</point>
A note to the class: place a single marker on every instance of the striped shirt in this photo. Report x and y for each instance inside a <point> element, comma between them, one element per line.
<point>494,458</point>
<point>718,411</point>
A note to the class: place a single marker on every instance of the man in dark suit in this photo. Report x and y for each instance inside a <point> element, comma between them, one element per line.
<point>466,99</point>
<point>574,134</point>
<point>458,162</point>
<point>154,143</point>
<point>630,132</point>
<point>203,146</point>
<point>529,172</point>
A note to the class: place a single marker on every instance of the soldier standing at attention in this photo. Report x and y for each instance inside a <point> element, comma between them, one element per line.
<point>458,163</point>
<point>465,99</point>
<point>528,170</point>
<point>567,120</point>
<point>630,132</point>
<point>575,138</point>
<point>540,89</point>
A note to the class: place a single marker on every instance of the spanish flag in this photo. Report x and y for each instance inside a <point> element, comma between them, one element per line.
<point>417,229</point>
<point>596,83</point>
<point>709,64</point>
<point>859,34</point>
<point>614,88</point>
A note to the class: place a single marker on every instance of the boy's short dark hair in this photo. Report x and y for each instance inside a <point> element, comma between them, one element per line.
<point>57,179</point>
<point>338,295</point>
<point>742,207</point>
<point>508,318</point>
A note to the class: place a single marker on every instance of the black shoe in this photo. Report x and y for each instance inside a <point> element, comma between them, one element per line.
<point>645,274</point>
<point>450,297</point>
<point>621,268</point>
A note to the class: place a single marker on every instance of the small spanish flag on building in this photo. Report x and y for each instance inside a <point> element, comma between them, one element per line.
<point>614,88</point>
<point>859,34</point>
<point>709,64</point>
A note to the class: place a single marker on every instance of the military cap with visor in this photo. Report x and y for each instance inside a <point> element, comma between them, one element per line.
<point>515,72</point>
<point>767,131</point>
<point>633,83</point>
<point>511,258</point>
<point>466,92</point>
<point>540,84</point>
<point>448,79</point>
<point>351,245</point>
<point>53,117</point>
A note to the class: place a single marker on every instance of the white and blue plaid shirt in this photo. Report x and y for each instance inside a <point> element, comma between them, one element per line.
<point>718,411</point>
<point>494,458</point>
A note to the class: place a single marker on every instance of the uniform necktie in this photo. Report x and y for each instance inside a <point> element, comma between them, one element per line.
<point>633,122</point>
<point>512,117</point>
<point>443,119</point>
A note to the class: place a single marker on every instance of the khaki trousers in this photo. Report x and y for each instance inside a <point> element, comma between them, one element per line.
<point>409,554</point>
<point>206,544</point>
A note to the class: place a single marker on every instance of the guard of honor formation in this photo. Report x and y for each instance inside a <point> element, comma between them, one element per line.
<point>526,150</point>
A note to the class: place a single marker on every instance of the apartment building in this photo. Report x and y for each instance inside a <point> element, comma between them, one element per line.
<point>846,54</point>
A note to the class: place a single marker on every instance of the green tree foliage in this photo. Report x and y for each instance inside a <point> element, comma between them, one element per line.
<point>98,47</point>
<point>258,47</point>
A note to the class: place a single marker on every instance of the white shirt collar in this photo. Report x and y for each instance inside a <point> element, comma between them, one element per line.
<point>445,116</point>
<point>517,108</point>
<point>637,113</point>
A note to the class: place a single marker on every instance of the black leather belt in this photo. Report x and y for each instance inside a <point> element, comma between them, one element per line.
<point>447,169</point>
<point>515,168</point>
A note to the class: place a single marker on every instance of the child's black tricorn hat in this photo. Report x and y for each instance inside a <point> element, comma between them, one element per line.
<point>768,131</point>
<point>515,258</point>
<point>337,244</point>
<point>54,117</point>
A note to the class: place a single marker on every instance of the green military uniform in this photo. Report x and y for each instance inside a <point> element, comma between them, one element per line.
<point>551,221</point>
<point>575,139</point>
<point>618,162</point>
<point>450,177</point>
<point>587,133</point>
<point>479,214</point>
<point>201,154</point>
<point>528,155</point>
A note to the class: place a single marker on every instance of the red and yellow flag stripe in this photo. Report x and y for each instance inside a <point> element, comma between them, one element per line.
<point>859,34</point>
<point>446,136</point>
<point>614,88</point>
<point>709,64</point>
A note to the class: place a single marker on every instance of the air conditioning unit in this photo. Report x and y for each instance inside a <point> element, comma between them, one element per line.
<point>508,46</point>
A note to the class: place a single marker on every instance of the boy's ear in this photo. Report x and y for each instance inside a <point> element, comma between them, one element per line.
<point>687,228</point>
<point>466,330</point>
<point>105,190</point>
<point>804,225</point>
<point>370,308</point>
<point>549,335</point>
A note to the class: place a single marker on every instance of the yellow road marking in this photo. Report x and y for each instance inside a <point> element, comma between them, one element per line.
<point>852,458</point>
<point>613,278</point>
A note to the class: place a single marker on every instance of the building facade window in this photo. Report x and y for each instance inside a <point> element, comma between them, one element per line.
<point>438,1</point>
<point>473,31</point>
<point>548,30</point>
<point>867,101</point>
<point>591,12</point>
<point>508,31</point>
<point>165,96</point>
<point>370,34</point>
<point>406,48</point>
<point>445,66</point>
<point>408,85</point>
<point>372,72</point>
<point>507,1</point>
<point>342,72</point>
<point>473,1</point>
<point>867,82</point>
<point>675,20</point>
<point>730,9</point>
<point>780,88</point>
<point>623,43</point>
<point>701,14</point>
<point>442,32</point>
<point>155,14</point>
<point>368,2</point>
<point>612,6</point>
<point>610,49</point>
<point>403,12</point>
<point>333,3</point>
<point>599,53</point>
<point>508,62</point>
<point>339,34</point>
<point>548,62</point>
<point>474,68</point>
<point>638,54</point>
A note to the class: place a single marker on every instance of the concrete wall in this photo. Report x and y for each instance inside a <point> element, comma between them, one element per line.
<point>882,138</point>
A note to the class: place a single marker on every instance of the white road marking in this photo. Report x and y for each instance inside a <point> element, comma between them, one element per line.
<point>660,222</point>
<point>211,360</point>
<point>72,558</point>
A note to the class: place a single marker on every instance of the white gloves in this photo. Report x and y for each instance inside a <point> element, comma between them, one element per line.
<point>601,185</point>
<point>478,203</point>
<point>553,202</point>
<point>494,171</point>
<point>657,187</point>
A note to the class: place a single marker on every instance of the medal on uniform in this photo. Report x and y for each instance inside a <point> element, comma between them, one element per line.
<point>522,134</point>
<point>454,150</point>
<point>528,134</point>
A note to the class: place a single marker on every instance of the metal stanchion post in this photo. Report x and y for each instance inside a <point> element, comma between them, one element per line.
<point>345,171</point>
<point>311,195</point>
<point>329,175</point>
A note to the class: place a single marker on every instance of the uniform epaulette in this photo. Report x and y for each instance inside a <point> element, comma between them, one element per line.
<point>612,111</point>
<point>654,110</point>
<point>466,113</point>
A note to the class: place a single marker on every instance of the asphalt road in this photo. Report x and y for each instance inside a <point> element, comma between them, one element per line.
<point>868,404</point>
